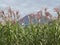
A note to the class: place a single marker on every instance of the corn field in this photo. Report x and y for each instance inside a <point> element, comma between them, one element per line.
<point>34,34</point>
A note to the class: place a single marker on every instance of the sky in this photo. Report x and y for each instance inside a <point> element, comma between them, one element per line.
<point>29,6</point>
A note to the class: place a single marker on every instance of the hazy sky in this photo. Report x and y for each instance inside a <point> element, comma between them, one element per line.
<point>28,6</point>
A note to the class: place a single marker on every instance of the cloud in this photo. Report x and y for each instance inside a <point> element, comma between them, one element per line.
<point>3,5</point>
<point>28,6</point>
<point>24,4</point>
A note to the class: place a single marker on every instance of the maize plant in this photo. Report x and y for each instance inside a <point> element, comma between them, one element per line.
<point>58,12</point>
<point>33,34</point>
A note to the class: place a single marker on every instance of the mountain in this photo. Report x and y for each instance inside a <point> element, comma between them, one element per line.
<point>36,18</point>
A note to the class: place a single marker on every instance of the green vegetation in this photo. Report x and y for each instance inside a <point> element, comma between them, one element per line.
<point>38,34</point>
